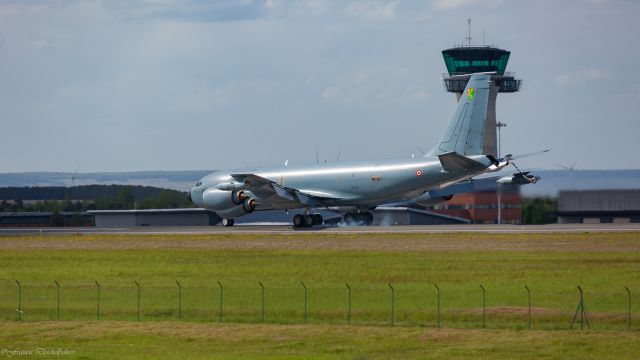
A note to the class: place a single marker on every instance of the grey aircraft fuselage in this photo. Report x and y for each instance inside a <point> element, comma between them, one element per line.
<point>362,183</point>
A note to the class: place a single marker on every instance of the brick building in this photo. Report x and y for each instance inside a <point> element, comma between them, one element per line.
<point>482,207</point>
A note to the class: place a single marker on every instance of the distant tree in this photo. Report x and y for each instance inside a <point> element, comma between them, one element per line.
<point>67,205</point>
<point>91,197</point>
<point>539,211</point>
<point>17,206</point>
<point>125,198</point>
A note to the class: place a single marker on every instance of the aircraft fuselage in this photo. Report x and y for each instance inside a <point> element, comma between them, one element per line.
<point>364,183</point>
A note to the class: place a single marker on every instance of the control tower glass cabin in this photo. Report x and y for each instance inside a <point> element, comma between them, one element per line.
<point>465,60</point>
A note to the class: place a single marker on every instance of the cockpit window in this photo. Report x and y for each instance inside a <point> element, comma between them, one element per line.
<point>198,183</point>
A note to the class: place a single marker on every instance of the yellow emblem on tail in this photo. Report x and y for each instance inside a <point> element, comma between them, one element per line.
<point>471,93</point>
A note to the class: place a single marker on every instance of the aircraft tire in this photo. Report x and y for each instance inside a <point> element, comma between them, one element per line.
<point>317,219</point>
<point>368,218</point>
<point>298,221</point>
<point>309,220</point>
<point>228,222</point>
<point>359,219</point>
<point>348,219</point>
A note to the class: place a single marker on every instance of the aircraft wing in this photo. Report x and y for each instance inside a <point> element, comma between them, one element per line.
<point>265,188</point>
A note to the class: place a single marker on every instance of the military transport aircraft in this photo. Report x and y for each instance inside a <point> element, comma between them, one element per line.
<point>356,188</point>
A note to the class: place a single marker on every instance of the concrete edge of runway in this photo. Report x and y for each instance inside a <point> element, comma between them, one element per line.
<point>280,229</point>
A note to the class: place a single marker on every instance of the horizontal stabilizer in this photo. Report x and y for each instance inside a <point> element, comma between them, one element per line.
<point>452,161</point>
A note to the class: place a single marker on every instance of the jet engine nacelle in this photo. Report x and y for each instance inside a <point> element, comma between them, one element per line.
<point>221,200</point>
<point>247,206</point>
<point>231,185</point>
<point>428,200</point>
<point>518,179</point>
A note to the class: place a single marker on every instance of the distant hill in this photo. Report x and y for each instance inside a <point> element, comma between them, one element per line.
<point>550,183</point>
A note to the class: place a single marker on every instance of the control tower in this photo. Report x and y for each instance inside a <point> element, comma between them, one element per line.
<point>461,61</point>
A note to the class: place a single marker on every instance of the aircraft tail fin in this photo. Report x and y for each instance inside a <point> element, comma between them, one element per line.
<point>465,133</point>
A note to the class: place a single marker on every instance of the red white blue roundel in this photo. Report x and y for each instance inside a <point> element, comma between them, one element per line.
<point>418,172</point>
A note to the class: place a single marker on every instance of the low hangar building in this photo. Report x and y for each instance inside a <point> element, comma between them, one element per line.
<point>599,206</point>
<point>154,217</point>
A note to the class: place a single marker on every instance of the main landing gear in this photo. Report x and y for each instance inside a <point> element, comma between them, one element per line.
<point>358,219</point>
<point>307,220</point>
<point>227,222</point>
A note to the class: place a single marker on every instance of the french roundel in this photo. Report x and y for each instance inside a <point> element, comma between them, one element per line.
<point>418,172</point>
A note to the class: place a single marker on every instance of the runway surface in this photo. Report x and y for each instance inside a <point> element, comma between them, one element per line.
<point>281,229</point>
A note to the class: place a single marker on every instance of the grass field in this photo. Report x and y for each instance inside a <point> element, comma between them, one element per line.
<point>552,265</point>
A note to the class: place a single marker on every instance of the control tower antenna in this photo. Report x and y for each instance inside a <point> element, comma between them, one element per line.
<point>469,32</point>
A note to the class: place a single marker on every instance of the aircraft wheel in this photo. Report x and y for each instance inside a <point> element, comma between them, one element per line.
<point>227,222</point>
<point>317,219</point>
<point>348,218</point>
<point>359,219</point>
<point>309,220</point>
<point>368,218</point>
<point>298,221</point>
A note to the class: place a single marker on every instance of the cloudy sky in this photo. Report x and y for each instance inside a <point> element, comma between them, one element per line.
<point>127,85</point>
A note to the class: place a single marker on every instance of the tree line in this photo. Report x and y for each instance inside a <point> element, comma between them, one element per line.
<point>90,197</point>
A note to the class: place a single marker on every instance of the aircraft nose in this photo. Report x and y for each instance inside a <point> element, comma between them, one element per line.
<point>189,195</point>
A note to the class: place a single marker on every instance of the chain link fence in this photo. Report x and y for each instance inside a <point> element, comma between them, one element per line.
<point>378,304</point>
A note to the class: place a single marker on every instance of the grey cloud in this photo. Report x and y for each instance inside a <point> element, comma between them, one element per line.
<point>189,10</point>
<point>213,90</point>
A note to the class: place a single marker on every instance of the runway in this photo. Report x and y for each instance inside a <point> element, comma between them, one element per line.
<point>281,229</point>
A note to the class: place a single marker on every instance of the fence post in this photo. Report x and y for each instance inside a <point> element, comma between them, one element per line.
<point>529,304</point>
<point>179,300</point>
<point>349,303</point>
<point>438,305</point>
<point>221,298</point>
<point>392,303</point>
<point>262,297</point>
<point>138,286</point>
<point>484,303</point>
<point>305,300</point>
<point>582,309</point>
<point>19,309</point>
<point>98,307</point>
<point>629,310</point>
<point>58,307</point>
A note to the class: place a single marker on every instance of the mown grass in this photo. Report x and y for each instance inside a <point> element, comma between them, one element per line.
<point>172,340</point>
<point>551,265</point>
